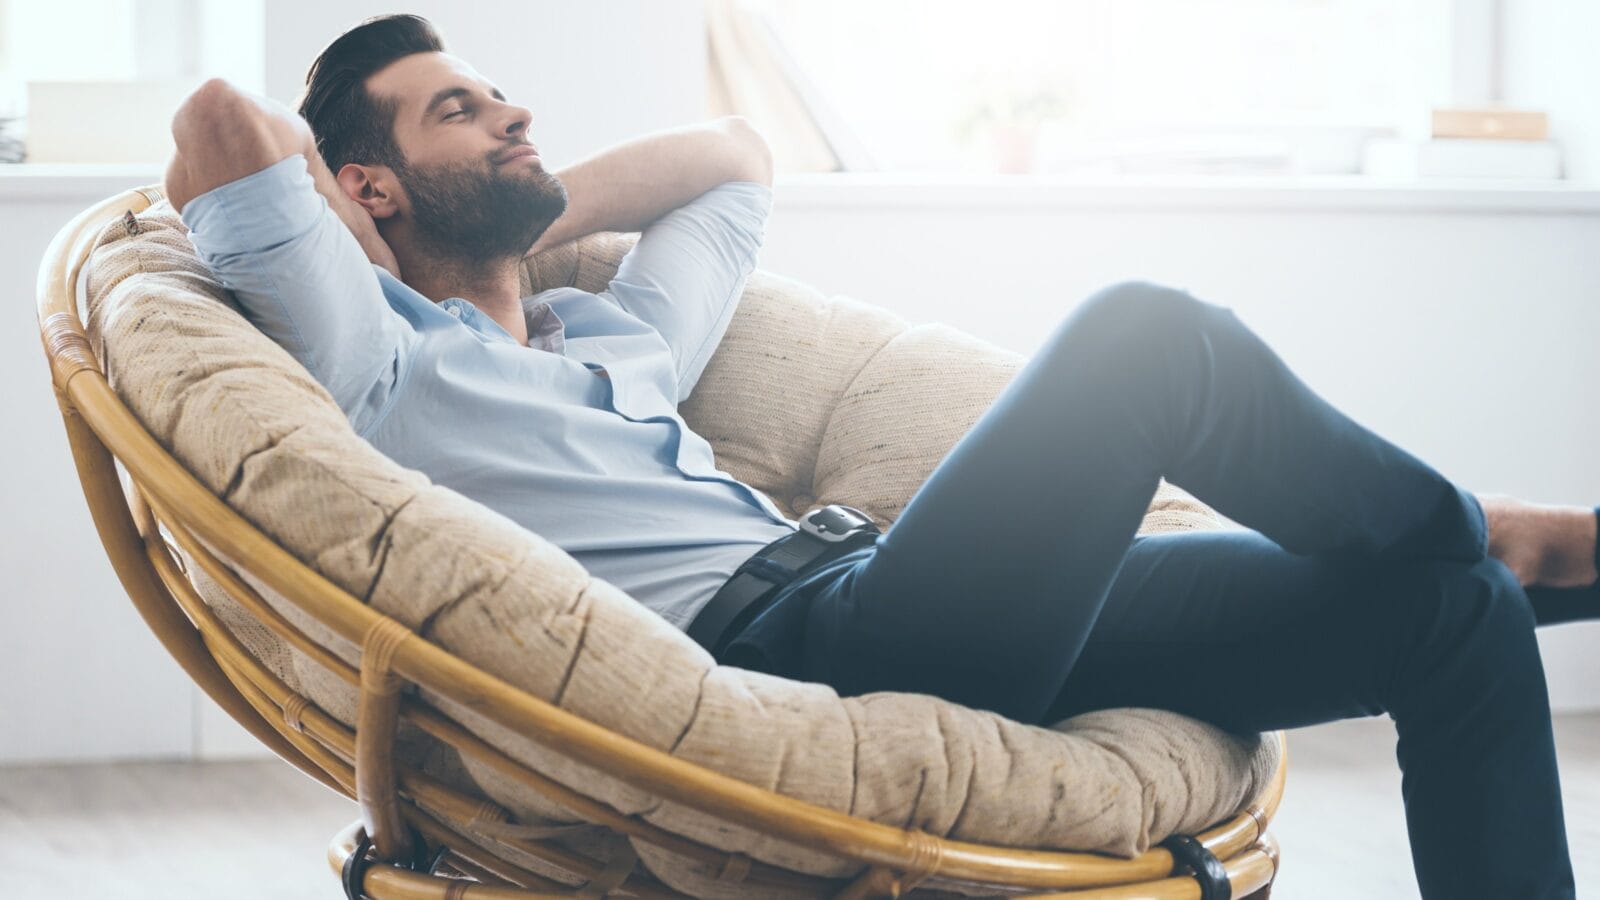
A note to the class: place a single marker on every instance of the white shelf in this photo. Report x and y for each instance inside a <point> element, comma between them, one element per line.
<point>859,191</point>
<point>884,191</point>
<point>35,182</point>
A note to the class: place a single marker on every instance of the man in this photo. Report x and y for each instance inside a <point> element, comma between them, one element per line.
<point>378,239</point>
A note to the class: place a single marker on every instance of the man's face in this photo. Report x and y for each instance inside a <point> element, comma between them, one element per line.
<point>466,200</point>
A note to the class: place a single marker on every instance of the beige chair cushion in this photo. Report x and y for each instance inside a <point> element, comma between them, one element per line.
<point>808,398</point>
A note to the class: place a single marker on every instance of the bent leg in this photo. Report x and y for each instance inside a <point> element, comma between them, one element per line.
<point>1229,628</point>
<point>993,575</point>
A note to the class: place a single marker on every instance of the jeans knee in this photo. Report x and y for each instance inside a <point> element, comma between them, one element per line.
<point>1138,302</point>
<point>1132,318</point>
<point>1505,606</point>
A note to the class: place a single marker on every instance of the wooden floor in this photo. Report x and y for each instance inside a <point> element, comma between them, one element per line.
<point>222,831</point>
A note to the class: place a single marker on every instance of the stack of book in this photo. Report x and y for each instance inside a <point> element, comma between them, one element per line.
<point>1494,142</point>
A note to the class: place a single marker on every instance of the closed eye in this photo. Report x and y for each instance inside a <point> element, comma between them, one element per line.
<point>459,112</point>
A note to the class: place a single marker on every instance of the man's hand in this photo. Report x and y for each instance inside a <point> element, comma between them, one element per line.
<point>223,134</point>
<point>354,215</point>
<point>630,185</point>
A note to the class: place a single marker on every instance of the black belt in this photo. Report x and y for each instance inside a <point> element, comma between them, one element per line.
<point>825,534</point>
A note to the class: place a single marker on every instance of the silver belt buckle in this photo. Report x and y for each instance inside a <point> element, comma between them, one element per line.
<point>836,522</point>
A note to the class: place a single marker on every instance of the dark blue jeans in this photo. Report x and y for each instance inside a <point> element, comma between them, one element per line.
<point>1013,581</point>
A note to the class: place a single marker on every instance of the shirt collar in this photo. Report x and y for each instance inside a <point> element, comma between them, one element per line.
<point>546,331</point>
<point>545,328</point>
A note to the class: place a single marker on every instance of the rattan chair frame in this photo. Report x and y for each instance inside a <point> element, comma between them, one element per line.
<point>146,506</point>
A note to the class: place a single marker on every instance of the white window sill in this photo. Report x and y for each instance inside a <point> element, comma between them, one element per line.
<point>867,191</point>
<point>86,182</point>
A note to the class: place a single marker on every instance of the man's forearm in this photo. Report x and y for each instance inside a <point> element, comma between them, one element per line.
<point>627,186</point>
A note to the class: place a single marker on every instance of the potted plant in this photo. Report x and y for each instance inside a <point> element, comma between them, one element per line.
<point>1010,114</point>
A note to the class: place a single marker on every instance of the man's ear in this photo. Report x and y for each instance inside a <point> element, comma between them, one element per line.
<point>373,187</point>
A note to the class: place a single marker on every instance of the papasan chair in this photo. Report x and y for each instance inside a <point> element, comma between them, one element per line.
<point>512,727</point>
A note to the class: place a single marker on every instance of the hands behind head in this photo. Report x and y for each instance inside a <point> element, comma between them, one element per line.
<point>366,232</point>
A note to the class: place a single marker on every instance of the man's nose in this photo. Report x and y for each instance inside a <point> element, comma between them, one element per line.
<point>520,118</point>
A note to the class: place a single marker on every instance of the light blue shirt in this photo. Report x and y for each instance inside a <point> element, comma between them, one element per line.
<point>576,437</point>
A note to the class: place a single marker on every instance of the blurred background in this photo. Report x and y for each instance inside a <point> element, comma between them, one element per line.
<point>1099,86</point>
<point>1022,86</point>
<point>1401,196</point>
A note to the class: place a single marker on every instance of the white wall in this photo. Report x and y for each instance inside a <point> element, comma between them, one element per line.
<point>80,674</point>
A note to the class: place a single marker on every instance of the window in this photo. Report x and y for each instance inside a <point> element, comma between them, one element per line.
<point>1290,86</point>
<point>102,68</point>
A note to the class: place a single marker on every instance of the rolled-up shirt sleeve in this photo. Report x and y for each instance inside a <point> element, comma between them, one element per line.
<point>685,274</point>
<point>302,278</point>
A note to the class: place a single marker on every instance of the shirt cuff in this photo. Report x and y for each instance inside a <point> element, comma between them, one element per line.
<point>754,193</point>
<point>256,212</point>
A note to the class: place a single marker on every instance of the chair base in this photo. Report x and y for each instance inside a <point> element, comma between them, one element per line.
<point>1253,870</point>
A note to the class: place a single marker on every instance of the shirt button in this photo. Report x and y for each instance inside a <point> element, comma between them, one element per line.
<point>455,311</point>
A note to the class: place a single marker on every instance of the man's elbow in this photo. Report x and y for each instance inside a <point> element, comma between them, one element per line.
<point>201,114</point>
<point>210,95</point>
<point>755,153</point>
<point>222,134</point>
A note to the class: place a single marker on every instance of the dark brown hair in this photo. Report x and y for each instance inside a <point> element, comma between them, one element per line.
<point>351,125</point>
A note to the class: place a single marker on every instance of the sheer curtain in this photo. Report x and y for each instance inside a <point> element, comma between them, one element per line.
<point>749,73</point>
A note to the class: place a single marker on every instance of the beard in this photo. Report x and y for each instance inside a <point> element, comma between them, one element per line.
<point>460,211</point>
